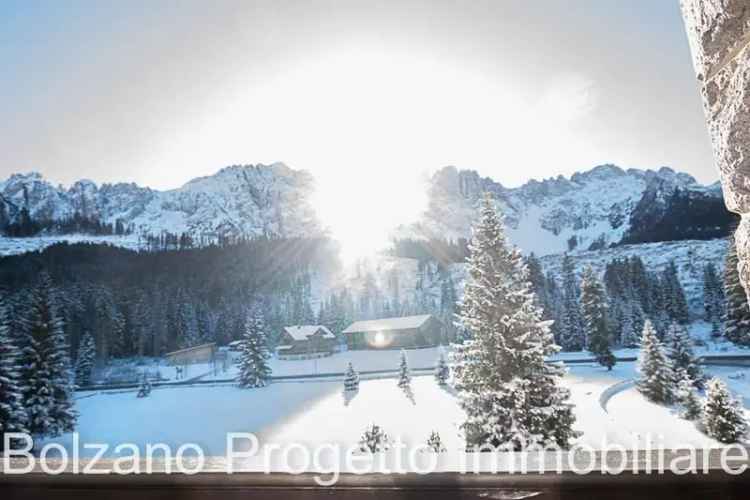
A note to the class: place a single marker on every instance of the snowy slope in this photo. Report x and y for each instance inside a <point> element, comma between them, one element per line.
<point>689,257</point>
<point>236,201</point>
<point>423,287</point>
<point>594,207</point>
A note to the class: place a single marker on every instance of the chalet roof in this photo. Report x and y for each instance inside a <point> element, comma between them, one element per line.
<point>301,332</point>
<point>376,325</point>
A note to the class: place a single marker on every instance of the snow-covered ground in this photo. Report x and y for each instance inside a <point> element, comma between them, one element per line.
<point>361,360</point>
<point>312,413</point>
<point>337,363</point>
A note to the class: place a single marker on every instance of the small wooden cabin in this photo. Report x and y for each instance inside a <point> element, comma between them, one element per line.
<point>306,340</point>
<point>405,332</point>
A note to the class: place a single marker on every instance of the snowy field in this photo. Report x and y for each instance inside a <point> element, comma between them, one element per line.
<point>336,363</point>
<point>361,360</point>
<point>609,411</point>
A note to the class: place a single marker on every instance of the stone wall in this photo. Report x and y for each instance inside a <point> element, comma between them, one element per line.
<point>719,35</point>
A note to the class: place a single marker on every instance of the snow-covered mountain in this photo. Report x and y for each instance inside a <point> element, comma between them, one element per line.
<point>599,208</point>
<point>237,201</point>
<point>597,216</point>
<point>603,207</point>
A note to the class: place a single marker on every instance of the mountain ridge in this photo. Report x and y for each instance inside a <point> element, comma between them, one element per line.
<point>593,209</point>
<point>596,208</point>
<point>239,201</point>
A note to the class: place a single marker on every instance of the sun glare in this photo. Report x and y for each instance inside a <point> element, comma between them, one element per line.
<point>371,125</point>
<point>379,338</point>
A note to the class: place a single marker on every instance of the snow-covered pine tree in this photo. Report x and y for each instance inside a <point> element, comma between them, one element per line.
<point>723,416</point>
<point>46,376</point>
<point>628,333</point>
<point>188,329</point>
<point>13,416</point>
<point>594,309</point>
<point>681,356</point>
<point>144,389</point>
<point>374,440</point>
<point>554,307</point>
<point>434,443</point>
<point>404,373</point>
<point>254,354</point>
<point>687,396</point>
<point>511,397</point>
<point>537,279</point>
<point>674,295</point>
<point>713,298</point>
<point>656,380</point>
<point>85,360</point>
<point>442,370</point>
<point>351,380</point>
<point>661,322</point>
<point>572,337</point>
<point>639,319</point>
<point>737,312</point>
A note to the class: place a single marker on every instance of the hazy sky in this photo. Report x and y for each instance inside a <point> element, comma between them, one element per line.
<point>367,95</point>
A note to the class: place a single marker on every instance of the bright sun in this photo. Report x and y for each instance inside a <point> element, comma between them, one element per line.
<point>370,124</point>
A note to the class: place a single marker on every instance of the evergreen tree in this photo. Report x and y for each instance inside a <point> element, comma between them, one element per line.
<point>656,380</point>
<point>45,366</point>
<point>674,295</point>
<point>13,416</point>
<point>628,333</point>
<point>351,380</point>
<point>537,279</point>
<point>374,440</point>
<point>737,312</point>
<point>404,374</point>
<point>554,307</point>
<point>713,298</point>
<point>572,337</point>
<point>85,360</point>
<point>511,397</point>
<point>254,354</point>
<point>442,371</point>
<point>680,352</point>
<point>144,390</point>
<point>188,332</point>
<point>594,308</point>
<point>723,416</point>
<point>434,443</point>
<point>687,397</point>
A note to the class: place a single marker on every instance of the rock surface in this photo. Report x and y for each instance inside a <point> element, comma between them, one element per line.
<point>719,35</point>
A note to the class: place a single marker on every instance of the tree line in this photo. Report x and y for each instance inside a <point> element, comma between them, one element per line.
<point>630,294</point>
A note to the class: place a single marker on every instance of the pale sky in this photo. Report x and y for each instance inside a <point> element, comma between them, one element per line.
<point>367,95</point>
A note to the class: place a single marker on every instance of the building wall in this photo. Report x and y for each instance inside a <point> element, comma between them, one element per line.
<point>431,333</point>
<point>304,346</point>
